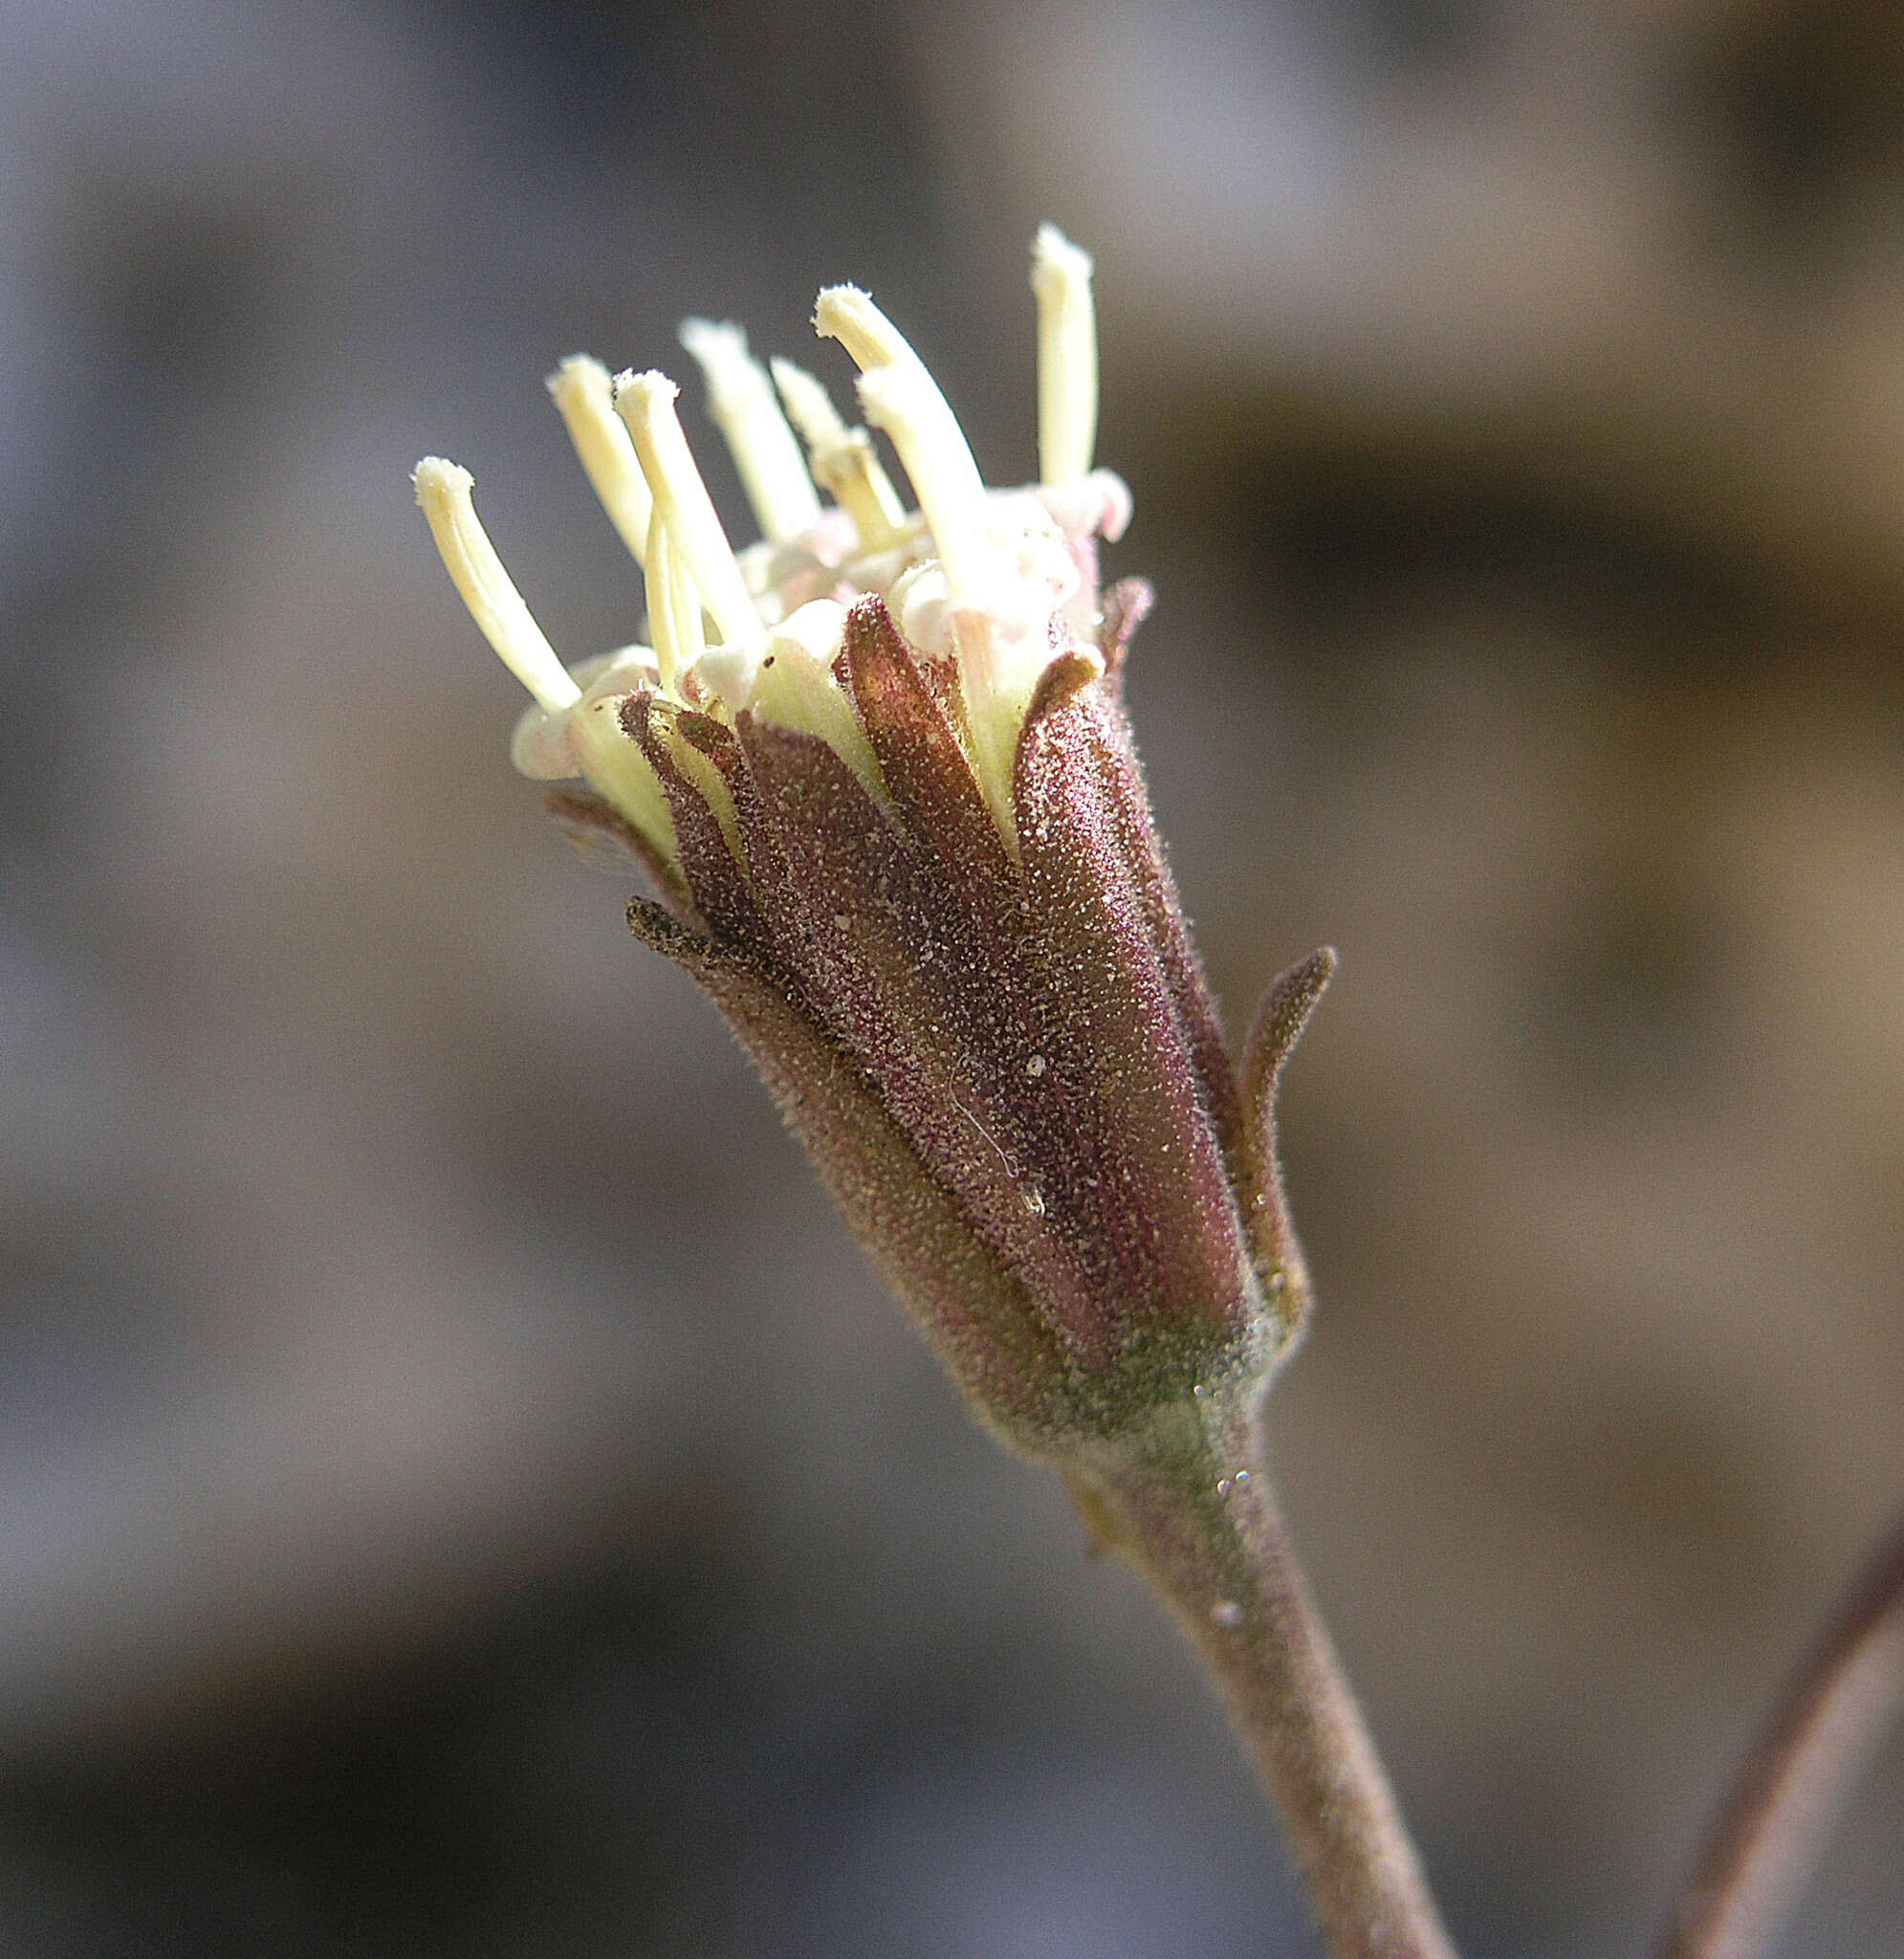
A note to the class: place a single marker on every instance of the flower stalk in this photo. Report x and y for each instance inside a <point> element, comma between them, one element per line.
<point>1192,1510</point>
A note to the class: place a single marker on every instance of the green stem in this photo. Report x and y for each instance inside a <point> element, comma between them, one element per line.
<point>1190,1505</point>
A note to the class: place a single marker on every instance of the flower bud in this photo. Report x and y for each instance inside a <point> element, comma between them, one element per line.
<point>898,832</point>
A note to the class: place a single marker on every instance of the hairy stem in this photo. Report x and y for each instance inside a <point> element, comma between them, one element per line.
<point>1823,1730</point>
<point>1191,1508</point>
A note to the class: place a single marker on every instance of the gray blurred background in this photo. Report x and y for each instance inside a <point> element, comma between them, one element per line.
<point>460,1491</point>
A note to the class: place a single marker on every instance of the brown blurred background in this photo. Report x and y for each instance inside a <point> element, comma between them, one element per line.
<point>460,1491</point>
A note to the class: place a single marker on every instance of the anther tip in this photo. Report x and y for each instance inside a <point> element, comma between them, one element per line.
<point>574,371</point>
<point>649,387</point>
<point>833,305</point>
<point>437,477</point>
<point>712,340</point>
<point>1051,248</point>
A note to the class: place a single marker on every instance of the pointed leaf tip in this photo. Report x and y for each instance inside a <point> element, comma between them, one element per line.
<point>1279,1021</point>
<point>661,931</point>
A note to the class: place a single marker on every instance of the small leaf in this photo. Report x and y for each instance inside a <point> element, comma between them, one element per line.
<point>1279,1021</point>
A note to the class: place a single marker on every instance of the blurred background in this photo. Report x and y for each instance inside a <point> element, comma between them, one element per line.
<point>460,1491</point>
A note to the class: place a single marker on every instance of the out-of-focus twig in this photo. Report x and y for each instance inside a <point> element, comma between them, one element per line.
<point>1821,1733</point>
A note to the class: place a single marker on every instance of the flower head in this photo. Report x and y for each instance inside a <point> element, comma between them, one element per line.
<point>878,769</point>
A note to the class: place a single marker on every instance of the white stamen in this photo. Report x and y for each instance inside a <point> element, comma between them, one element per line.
<point>741,401</point>
<point>444,492</point>
<point>646,403</point>
<point>674,608</point>
<point>847,315</point>
<point>1067,357</point>
<point>900,396</point>
<point>907,404</point>
<point>585,395</point>
<point>842,458</point>
<point>809,407</point>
